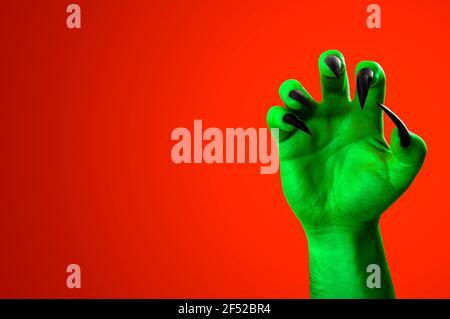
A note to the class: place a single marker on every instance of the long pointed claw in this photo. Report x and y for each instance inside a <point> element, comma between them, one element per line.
<point>299,97</point>
<point>295,121</point>
<point>335,65</point>
<point>405,137</point>
<point>363,81</point>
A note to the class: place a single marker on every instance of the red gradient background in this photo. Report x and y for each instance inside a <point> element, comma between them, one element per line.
<point>86,118</point>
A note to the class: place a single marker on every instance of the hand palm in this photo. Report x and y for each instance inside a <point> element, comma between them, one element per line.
<point>344,173</point>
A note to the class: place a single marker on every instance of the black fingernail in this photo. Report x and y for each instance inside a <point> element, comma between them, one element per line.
<point>363,81</point>
<point>405,137</point>
<point>299,97</point>
<point>335,65</point>
<point>295,121</point>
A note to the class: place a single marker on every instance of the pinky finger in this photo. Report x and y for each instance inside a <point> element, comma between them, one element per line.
<point>287,123</point>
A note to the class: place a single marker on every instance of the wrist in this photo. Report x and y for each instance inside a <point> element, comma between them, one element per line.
<point>341,258</point>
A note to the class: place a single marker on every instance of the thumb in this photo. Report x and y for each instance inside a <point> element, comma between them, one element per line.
<point>407,160</point>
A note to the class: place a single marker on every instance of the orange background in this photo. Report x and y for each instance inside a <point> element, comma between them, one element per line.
<point>86,118</point>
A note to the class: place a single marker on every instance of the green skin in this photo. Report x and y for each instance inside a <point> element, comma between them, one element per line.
<point>341,179</point>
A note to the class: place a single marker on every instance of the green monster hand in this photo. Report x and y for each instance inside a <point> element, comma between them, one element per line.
<point>339,175</point>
